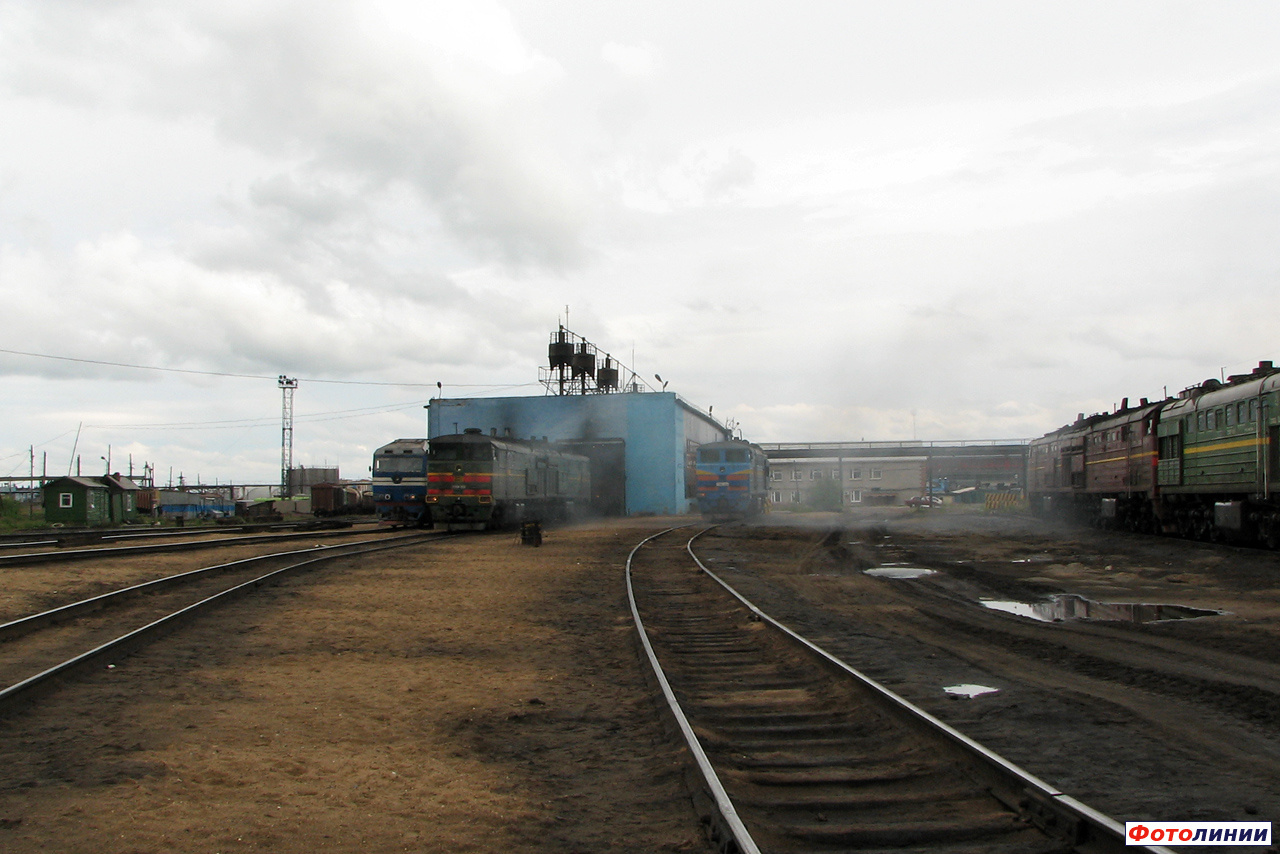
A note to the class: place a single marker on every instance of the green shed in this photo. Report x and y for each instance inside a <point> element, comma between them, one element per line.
<point>123,497</point>
<point>77,501</point>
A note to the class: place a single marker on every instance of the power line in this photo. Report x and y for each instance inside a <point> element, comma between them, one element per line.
<point>233,423</point>
<point>238,376</point>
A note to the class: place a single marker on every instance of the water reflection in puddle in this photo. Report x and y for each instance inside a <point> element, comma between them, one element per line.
<point>1069,606</point>
<point>969,690</point>
<point>891,571</point>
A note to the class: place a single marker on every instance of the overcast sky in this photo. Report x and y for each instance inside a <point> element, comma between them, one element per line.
<point>828,220</point>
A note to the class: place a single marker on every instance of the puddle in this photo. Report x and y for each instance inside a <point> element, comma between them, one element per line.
<point>1069,606</point>
<point>968,690</point>
<point>892,571</point>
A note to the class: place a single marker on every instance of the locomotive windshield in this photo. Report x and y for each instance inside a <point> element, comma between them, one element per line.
<point>397,465</point>
<point>461,451</point>
<point>726,455</point>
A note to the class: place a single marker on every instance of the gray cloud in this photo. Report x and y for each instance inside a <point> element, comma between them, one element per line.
<point>829,220</point>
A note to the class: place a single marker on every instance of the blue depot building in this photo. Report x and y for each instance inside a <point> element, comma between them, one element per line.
<point>641,444</point>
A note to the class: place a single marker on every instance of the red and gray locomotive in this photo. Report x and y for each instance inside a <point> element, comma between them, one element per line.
<point>476,481</point>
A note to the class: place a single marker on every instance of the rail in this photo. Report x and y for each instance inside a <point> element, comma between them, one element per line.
<point>33,558</point>
<point>1087,829</point>
<point>14,695</point>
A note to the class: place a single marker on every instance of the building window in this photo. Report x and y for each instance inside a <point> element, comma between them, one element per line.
<point>816,474</point>
<point>875,474</point>
<point>852,496</point>
<point>855,474</point>
<point>796,474</point>
<point>775,497</point>
<point>775,475</point>
<point>795,498</point>
<point>835,474</point>
<point>64,499</point>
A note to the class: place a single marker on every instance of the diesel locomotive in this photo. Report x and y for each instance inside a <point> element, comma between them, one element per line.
<point>732,479</point>
<point>476,481</point>
<point>1204,464</point>
<point>400,483</point>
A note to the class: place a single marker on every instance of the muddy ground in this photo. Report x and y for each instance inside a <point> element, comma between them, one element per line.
<point>1171,720</point>
<point>477,695</point>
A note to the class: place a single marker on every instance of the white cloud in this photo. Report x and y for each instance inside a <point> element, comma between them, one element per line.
<point>830,220</point>
<point>632,60</point>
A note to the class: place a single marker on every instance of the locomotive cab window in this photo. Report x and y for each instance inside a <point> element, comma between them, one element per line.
<point>735,455</point>
<point>397,465</point>
<point>462,452</point>
<point>709,456</point>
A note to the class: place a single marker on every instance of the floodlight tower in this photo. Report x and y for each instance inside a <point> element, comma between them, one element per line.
<point>287,387</point>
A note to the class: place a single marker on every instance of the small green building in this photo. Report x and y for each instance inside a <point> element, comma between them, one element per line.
<point>123,497</point>
<point>77,501</point>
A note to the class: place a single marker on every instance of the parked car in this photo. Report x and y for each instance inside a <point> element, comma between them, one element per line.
<point>924,501</point>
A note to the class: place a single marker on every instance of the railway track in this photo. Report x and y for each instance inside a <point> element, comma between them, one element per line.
<point>798,752</point>
<point>56,552</point>
<point>38,650</point>
<point>86,536</point>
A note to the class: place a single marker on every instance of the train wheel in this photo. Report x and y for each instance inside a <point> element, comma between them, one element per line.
<point>1204,527</point>
<point>1269,532</point>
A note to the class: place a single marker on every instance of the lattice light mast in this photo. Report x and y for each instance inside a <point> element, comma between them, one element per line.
<point>287,387</point>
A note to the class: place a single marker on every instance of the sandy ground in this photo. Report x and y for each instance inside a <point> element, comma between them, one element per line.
<point>471,695</point>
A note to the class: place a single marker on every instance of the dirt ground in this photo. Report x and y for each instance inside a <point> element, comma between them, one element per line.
<point>470,695</point>
<point>478,695</point>
<point>1171,720</point>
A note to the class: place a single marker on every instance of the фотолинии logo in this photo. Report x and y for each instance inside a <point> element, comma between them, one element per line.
<point>1197,833</point>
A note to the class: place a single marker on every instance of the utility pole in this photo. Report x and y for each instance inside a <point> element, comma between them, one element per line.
<point>287,387</point>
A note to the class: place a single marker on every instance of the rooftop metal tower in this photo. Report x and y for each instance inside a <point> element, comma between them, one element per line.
<point>577,367</point>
